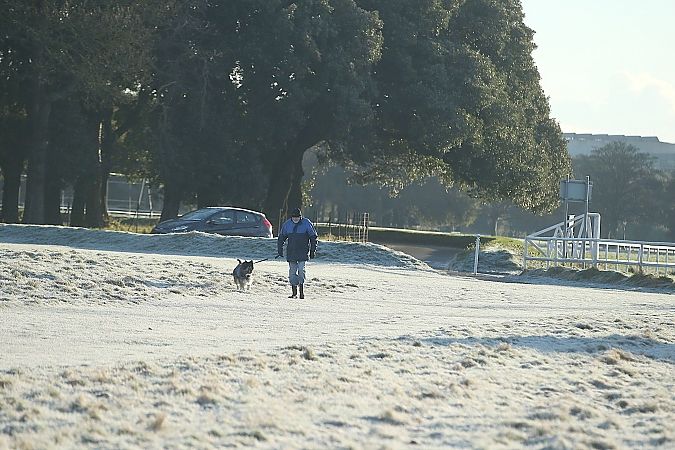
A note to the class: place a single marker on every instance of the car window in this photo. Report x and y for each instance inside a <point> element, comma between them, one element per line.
<point>223,218</point>
<point>246,218</point>
<point>199,214</point>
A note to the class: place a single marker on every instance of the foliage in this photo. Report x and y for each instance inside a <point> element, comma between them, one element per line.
<point>426,203</point>
<point>68,52</point>
<point>669,206</point>
<point>219,101</point>
<point>627,190</point>
<point>459,96</point>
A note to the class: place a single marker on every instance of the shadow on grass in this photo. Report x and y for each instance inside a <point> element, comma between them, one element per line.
<point>603,279</point>
<point>634,344</point>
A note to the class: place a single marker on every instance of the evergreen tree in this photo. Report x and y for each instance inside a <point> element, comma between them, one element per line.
<point>628,191</point>
<point>459,97</point>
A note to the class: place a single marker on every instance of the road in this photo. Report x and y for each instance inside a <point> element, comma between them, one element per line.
<point>435,255</point>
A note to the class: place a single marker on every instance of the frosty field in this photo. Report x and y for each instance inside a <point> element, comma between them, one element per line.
<point>115,340</point>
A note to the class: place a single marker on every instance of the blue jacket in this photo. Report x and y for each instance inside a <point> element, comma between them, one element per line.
<point>301,240</point>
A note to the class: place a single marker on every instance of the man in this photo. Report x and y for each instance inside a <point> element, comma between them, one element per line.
<point>301,246</point>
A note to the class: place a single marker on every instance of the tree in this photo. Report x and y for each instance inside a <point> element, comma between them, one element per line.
<point>60,50</point>
<point>199,152</point>
<point>670,206</point>
<point>311,86</point>
<point>239,91</point>
<point>627,190</point>
<point>14,135</point>
<point>459,96</point>
<point>13,142</point>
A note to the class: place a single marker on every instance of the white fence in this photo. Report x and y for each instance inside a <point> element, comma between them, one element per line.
<point>568,245</point>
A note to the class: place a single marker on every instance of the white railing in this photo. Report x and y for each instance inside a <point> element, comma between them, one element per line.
<point>567,246</point>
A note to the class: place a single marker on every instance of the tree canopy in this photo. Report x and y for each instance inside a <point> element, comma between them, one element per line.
<point>219,101</point>
<point>627,189</point>
<point>459,95</point>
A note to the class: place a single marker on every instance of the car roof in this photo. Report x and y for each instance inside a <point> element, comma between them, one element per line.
<point>219,208</point>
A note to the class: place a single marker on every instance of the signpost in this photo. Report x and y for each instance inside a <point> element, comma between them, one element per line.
<point>575,191</point>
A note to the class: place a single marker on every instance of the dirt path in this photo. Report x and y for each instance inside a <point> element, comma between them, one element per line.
<point>434,255</point>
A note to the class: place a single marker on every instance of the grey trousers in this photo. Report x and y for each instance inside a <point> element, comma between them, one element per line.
<point>296,272</point>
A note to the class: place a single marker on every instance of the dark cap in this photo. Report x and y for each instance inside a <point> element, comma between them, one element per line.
<point>296,213</point>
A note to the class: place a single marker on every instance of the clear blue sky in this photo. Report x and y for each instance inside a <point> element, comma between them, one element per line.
<point>607,66</point>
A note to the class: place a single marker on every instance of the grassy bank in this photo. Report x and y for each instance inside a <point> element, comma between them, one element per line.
<point>433,238</point>
<point>133,225</point>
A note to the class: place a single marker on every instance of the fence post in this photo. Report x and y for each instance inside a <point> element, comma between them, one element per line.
<point>594,252</point>
<point>642,247</point>
<point>366,223</point>
<point>475,257</point>
<point>525,255</point>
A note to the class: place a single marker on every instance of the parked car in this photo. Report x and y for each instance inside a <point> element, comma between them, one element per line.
<point>220,220</point>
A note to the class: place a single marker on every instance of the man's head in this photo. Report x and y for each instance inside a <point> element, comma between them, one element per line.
<point>296,215</point>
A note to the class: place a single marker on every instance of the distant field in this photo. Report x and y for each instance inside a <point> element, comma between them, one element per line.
<point>455,240</point>
<point>377,235</point>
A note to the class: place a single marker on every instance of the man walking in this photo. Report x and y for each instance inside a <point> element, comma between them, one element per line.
<point>301,246</point>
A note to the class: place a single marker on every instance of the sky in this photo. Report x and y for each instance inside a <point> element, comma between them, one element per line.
<point>607,66</point>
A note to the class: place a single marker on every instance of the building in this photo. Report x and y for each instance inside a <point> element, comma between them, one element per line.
<point>583,144</point>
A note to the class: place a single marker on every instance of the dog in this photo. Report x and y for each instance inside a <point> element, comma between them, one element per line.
<point>243,275</point>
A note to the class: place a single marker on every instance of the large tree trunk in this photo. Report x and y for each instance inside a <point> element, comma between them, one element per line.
<point>93,217</point>
<point>284,190</point>
<point>286,175</point>
<point>171,205</point>
<point>53,190</point>
<point>39,114</point>
<point>279,186</point>
<point>295,193</point>
<point>105,176</point>
<point>11,169</point>
<point>79,196</point>
<point>107,148</point>
<point>86,210</point>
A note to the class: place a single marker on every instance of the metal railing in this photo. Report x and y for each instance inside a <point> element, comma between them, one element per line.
<point>569,246</point>
<point>125,198</point>
<point>355,230</point>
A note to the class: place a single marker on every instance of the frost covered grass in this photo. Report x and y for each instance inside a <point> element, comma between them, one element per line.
<point>605,278</point>
<point>438,391</point>
<point>121,341</point>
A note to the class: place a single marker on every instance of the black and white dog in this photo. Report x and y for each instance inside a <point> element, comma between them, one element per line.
<point>243,275</point>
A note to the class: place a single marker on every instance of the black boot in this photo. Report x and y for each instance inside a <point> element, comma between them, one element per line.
<point>295,292</point>
<point>302,292</point>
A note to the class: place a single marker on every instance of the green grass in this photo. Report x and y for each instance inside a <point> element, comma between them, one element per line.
<point>454,240</point>
<point>140,225</point>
